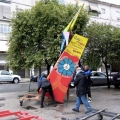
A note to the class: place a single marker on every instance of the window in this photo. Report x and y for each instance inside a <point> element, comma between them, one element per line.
<point>98,74</point>
<point>4,29</point>
<point>118,25</point>
<point>1,28</point>
<point>102,10</point>
<point>101,74</point>
<point>5,12</point>
<point>93,9</point>
<point>5,73</point>
<point>118,15</point>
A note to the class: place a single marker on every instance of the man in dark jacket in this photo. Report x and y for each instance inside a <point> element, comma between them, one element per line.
<point>46,87</point>
<point>88,73</point>
<point>81,89</point>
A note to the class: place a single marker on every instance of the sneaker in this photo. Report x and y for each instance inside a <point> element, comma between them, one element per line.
<point>75,110</point>
<point>89,99</point>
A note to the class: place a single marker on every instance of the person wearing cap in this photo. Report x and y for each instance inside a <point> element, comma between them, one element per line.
<point>42,77</point>
<point>81,84</point>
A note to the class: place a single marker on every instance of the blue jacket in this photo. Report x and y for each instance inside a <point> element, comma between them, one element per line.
<point>88,74</point>
<point>41,78</point>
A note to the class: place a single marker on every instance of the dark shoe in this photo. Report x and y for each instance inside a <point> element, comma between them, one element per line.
<point>41,106</point>
<point>75,110</point>
<point>54,105</point>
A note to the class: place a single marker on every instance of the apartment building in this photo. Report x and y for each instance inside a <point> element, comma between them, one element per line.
<point>7,7</point>
<point>99,11</point>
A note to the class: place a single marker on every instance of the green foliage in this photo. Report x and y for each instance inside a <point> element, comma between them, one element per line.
<point>103,44</point>
<point>93,13</point>
<point>36,33</point>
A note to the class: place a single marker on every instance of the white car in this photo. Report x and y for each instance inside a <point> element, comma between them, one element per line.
<point>5,76</point>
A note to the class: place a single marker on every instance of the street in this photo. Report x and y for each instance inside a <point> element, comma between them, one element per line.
<point>19,87</point>
<point>102,98</point>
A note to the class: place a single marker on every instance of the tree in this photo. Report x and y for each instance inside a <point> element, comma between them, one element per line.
<point>36,34</point>
<point>103,45</point>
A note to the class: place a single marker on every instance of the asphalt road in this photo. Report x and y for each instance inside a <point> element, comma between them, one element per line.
<point>102,98</point>
<point>19,87</point>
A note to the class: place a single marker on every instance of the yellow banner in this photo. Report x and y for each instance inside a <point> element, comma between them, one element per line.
<point>76,45</point>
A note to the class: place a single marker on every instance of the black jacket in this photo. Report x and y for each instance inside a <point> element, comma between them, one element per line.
<point>81,83</point>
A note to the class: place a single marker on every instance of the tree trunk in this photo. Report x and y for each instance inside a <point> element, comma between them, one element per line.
<point>108,82</point>
<point>39,72</point>
<point>48,67</point>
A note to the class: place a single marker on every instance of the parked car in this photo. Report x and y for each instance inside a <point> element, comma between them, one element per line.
<point>44,72</point>
<point>34,78</point>
<point>99,78</point>
<point>5,76</point>
<point>116,79</point>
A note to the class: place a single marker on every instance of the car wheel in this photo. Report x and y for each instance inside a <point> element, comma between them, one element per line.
<point>16,80</point>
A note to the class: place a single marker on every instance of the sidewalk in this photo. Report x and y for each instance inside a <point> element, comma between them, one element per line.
<point>25,80</point>
<point>102,98</point>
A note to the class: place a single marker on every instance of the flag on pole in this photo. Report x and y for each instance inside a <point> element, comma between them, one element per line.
<point>65,39</point>
<point>69,29</point>
<point>73,21</point>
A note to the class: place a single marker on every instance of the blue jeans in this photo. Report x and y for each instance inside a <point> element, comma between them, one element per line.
<point>85,102</point>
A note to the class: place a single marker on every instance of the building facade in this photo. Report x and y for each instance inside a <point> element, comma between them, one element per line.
<point>7,8</point>
<point>99,11</point>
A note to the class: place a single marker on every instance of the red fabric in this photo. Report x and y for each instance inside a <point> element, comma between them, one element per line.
<point>59,82</point>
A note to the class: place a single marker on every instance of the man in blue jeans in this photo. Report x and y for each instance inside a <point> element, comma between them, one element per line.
<point>80,81</point>
<point>88,74</point>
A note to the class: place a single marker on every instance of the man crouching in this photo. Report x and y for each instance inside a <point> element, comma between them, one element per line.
<point>45,86</point>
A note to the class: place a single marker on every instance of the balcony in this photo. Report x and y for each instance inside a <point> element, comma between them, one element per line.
<point>6,1</point>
